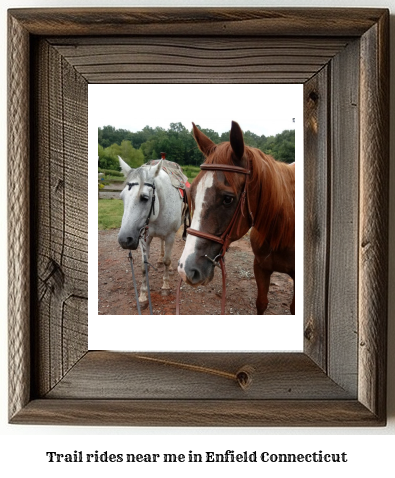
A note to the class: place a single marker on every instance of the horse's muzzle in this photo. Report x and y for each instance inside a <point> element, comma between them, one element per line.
<point>127,242</point>
<point>196,272</point>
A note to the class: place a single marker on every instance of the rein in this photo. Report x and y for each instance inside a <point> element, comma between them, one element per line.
<point>225,237</point>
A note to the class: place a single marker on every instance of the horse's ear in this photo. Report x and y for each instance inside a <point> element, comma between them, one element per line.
<point>236,140</point>
<point>205,144</point>
<point>124,167</point>
<point>155,169</point>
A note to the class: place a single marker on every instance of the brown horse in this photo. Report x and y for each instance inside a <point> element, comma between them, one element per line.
<point>240,188</point>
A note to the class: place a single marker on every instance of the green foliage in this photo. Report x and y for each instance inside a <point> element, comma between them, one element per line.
<point>281,146</point>
<point>115,179</point>
<point>191,172</point>
<point>108,135</point>
<point>111,172</point>
<point>108,157</point>
<point>110,213</point>
<point>179,145</point>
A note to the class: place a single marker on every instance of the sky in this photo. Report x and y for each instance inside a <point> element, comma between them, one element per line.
<point>261,109</point>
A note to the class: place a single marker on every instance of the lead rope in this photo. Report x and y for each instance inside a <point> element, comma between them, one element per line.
<point>134,283</point>
<point>223,300</point>
<point>147,280</point>
<point>146,264</point>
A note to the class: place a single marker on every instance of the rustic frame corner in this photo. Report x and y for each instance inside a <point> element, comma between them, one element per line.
<point>342,58</point>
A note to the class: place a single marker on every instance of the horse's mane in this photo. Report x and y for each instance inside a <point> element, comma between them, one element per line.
<point>271,194</point>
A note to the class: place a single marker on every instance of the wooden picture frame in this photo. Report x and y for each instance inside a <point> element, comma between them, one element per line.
<point>342,58</point>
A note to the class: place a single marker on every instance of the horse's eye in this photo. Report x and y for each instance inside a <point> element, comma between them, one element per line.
<point>144,198</point>
<point>227,200</point>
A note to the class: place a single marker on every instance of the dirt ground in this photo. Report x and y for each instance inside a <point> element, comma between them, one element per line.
<point>117,296</point>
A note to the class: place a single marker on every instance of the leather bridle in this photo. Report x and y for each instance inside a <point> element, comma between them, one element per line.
<point>144,229</point>
<point>225,238</point>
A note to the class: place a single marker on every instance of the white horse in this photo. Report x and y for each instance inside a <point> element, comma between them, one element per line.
<point>149,199</point>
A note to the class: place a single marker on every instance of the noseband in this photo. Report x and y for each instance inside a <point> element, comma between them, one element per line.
<point>225,238</point>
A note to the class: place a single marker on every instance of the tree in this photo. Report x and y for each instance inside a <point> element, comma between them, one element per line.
<point>107,159</point>
<point>281,146</point>
<point>213,135</point>
<point>179,145</point>
<point>177,128</point>
<point>252,139</point>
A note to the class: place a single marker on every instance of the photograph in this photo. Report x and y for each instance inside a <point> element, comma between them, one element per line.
<point>196,209</point>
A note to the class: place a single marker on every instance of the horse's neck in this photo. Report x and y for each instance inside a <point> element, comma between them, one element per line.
<point>164,190</point>
<point>163,184</point>
<point>275,205</point>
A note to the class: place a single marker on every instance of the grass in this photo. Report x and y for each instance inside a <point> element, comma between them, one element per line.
<point>115,179</point>
<point>110,213</point>
<point>191,172</point>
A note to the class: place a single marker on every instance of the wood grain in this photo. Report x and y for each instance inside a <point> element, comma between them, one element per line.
<point>261,22</point>
<point>316,214</point>
<point>344,216</point>
<point>201,413</point>
<point>284,376</point>
<point>61,199</point>
<point>164,60</point>
<point>373,232</point>
<point>18,212</point>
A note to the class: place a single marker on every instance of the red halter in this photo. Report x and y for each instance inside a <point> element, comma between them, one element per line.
<point>225,237</point>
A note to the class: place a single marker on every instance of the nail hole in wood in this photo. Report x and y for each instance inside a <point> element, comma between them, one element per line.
<point>313,96</point>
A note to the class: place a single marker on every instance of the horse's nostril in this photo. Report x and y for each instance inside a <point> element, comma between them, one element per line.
<point>197,270</point>
<point>194,276</point>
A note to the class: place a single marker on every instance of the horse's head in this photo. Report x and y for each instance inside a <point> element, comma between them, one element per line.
<point>215,197</point>
<point>137,202</point>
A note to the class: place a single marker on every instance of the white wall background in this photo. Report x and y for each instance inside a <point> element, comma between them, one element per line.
<point>23,448</point>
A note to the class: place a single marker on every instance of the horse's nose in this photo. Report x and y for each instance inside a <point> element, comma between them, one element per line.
<point>127,242</point>
<point>194,276</point>
<point>195,270</point>
<point>191,273</point>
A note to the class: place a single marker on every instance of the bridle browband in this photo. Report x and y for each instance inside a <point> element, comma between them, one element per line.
<point>225,237</point>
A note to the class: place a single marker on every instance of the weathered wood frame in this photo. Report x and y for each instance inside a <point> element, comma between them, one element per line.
<point>342,57</point>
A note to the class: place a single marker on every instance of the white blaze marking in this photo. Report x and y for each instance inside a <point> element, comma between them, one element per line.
<point>206,182</point>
